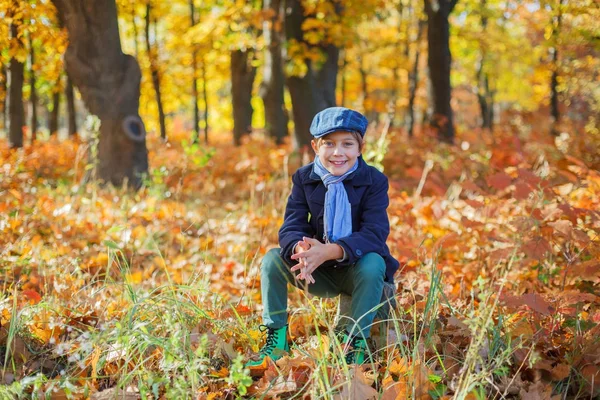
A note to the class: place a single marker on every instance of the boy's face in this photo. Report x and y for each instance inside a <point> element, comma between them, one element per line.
<point>337,151</point>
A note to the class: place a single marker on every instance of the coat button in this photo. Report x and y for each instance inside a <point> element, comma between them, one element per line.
<point>359,252</point>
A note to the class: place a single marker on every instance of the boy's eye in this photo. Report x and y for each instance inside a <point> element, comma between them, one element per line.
<point>328,144</point>
<point>348,144</point>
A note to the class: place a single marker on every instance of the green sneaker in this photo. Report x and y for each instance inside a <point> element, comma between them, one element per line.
<point>276,346</point>
<point>356,350</point>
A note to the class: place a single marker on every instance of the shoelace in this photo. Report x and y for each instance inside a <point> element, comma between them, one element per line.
<point>270,344</point>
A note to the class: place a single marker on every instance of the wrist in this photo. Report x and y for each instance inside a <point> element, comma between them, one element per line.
<point>335,251</point>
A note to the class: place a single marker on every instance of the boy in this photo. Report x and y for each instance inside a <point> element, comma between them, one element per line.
<point>333,235</point>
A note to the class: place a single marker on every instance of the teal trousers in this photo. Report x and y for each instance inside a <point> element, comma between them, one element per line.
<point>363,281</point>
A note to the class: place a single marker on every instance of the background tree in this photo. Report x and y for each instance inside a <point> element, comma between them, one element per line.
<point>71,112</point>
<point>312,73</point>
<point>18,53</point>
<point>243,73</point>
<point>273,83</point>
<point>54,112</point>
<point>109,84</point>
<point>152,49</point>
<point>3,94</point>
<point>33,98</point>
<point>195,99</point>
<point>555,38</point>
<point>439,62</point>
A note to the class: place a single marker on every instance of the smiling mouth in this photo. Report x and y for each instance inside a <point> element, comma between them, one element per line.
<point>338,163</point>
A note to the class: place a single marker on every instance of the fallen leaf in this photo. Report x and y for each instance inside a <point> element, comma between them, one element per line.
<point>499,181</point>
<point>538,391</point>
<point>536,248</point>
<point>357,388</point>
<point>532,300</point>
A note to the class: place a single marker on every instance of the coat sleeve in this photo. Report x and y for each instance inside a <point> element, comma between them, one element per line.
<point>374,225</point>
<point>295,222</point>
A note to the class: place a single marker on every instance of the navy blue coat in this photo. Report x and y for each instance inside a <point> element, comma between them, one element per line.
<point>367,190</point>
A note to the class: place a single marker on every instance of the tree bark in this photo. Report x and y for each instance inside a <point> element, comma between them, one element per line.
<point>413,81</point>
<point>242,80</point>
<point>33,100</point>
<point>195,78</point>
<point>71,113</point>
<point>554,100</point>
<point>204,98</point>
<point>3,93</point>
<point>15,106</point>
<point>272,87</point>
<point>153,57</point>
<point>438,39</point>
<point>484,95</point>
<point>315,90</point>
<point>343,83</point>
<point>54,113</point>
<point>109,83</point>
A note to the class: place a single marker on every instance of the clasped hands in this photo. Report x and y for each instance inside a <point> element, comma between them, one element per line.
<point>310,253</point>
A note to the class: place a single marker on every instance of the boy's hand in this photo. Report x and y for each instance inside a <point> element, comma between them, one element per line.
<point>316,255</point>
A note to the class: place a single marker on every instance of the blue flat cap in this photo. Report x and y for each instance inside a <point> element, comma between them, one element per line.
<point>338,119</point>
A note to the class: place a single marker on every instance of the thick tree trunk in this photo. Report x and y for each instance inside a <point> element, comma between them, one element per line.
<point>314,91</point>
<point>438,39</point>
<point>242,79</point>
<point>33,100</point>
<point>109,83</point>
<point>71,113</point>
<point>16,111</point>
<point>273,83</point>
<point>54,113</point>
<point>413,81</point>
<point>153,56</point>
<point>195,78</point>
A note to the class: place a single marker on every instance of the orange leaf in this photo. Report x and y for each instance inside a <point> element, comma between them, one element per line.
<point>33,296</point>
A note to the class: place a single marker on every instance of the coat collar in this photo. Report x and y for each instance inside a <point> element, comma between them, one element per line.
<point>360,177</point>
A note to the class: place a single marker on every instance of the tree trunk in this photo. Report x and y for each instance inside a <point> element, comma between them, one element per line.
<point>15,106</point>
<point>54,113</point>
<point>485,97</point>
<point>484,94</point>
<point>314,91</point>
<point>364,85</point>
<point>33,97</point>
<point>343,83</point>
<point>153,57</point>
<point>413,81</point>
<point>109,83</point>
<point>554,101</point>
<point>3,93</point>
<point>71,113</point>
<point>273,83</point>
<point>135,32</point>
<point>195,78</point>
<point>204,98</point>
<point>242,79</point>
<point>438,39</point>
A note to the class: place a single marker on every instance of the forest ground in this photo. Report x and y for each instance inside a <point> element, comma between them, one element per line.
<point>157,293</point>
